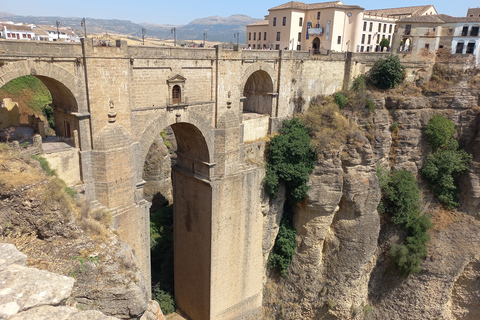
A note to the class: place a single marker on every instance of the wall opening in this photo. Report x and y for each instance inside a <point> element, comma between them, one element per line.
<point>176,172</point>
<point>258,93</point>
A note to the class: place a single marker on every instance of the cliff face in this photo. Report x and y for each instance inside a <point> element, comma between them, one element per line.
<point>341,269</point>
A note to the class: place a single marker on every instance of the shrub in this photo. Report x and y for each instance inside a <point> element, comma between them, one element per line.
<point>285,244</point>
<point>370,105</point>
<point>164,299</point>
<point>44,165</point>
<point>49,114</point>
<point>446,163</point>
<point>340,99</point>
<point>387,73</point>
<point>439,131</point>
<point>360,83</point>
<point>290,160</point>
<point>401,200</point>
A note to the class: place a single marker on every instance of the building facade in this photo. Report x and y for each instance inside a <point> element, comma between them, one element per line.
<point>298,26</point>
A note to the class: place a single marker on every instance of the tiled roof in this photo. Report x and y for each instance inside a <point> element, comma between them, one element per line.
<point>13,27</point>
<point>313,6</point>
<point>259,23</point>
<point>440,18</point>
<point>403,11</point>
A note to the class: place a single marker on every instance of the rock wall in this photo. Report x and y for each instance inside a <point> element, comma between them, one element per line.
<point>341,269</point>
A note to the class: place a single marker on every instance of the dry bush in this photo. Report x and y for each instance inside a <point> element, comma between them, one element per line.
<point>55,194</point>
<point>15,171</point>
<point>103,216</point>
<point>93,221</point>
<point>328,128</point>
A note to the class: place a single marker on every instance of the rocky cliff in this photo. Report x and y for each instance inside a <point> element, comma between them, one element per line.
<point>341,269</point>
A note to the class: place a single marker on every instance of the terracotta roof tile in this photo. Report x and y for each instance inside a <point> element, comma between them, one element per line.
<point>259,23</point>
<point>413,11</point>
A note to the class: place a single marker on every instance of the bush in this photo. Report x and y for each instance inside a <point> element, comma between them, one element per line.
<point>446,163</point>
<point>285,244</point>
<point>384,43</point>
<point>164,299</point>
<point>340,99</point>
<point>290,160</point>
<point>387,73</point>
<point>439,131</point>
<point>49,114</point>
<point>401,200</point>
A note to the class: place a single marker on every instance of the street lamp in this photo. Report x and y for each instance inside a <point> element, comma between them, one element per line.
<point>204,37</point>
<point>174,31</point>
<point>84,25</point>
<point>144,32</point>
<point>58,32</point>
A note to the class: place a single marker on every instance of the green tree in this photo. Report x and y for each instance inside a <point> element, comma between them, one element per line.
<point>290,160</point>
<point>387,73</point>
<point>384,43</point>
<point>447,161</point>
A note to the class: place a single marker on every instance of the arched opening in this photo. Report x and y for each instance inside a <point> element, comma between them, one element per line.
<point>176,171</point>
<point>176,94</point>
<point>405,45</point>
<point>45,106</point>
<point>258,93</point>
<point>316,45</point>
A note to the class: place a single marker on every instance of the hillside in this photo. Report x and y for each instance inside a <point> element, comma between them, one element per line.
<point>218,28</point>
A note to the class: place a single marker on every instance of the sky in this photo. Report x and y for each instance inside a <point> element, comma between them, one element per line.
<point>180,13</point>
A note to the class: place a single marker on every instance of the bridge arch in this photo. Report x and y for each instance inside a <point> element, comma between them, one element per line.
<point>62,86</point>
<point>194,137</point>
<point>258,90</point>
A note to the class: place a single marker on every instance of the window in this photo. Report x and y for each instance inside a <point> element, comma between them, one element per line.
<point>369,39</point>
<point>249,36</point>
<point>384,28</point>
<point>378,38</point>
<point>259,36</point>
<point>278,36</point>
<point>450,31</point>
<point>459,48</point>
<point>284,22</point>
<point>318,15</point>
<point>371,26</point>
<point>389,37</point>
<point>361,49</point>
<point>379,27</point>
<point>474,31</point>
<point>277,47</point>
<point>363,39</point>
<point>176,95</point>
<point>274,22</point>
<point>471,16</point>
<point>408,29</point>
<point>470,47</point>
<point>365,26</point>
<point>427,45</point>
<point>464,31</point>
<point>264,36</point>
<point>300,22</point>
<point>254,36</point>
<point>390,28</point>
<point>254,46</point>
<point>299,36</point>
<point>299,47</point>
<point>339,40</point>
<point>368,48</point>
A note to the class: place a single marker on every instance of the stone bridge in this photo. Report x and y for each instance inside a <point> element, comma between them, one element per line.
<point>118,99</point>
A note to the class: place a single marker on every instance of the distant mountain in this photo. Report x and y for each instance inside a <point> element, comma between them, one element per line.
<point>217,28</point>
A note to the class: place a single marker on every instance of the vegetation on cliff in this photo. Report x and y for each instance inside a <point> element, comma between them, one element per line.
<point>285,245</point>
<point>447,161</point>
<point>290,160</point>
<point>401,201</point>
<point>29,92</point>
<point>387,73</point>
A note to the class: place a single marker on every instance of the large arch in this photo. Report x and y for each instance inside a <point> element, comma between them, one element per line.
<point>62,86</point>
<point>258,91</point>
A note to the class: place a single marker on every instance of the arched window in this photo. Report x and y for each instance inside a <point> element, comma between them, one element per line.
<point>176,94</point>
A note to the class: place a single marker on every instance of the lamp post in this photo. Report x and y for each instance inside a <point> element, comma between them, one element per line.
<point>236,35</point>
<point>84,25</point>
<point>204,37</point>
<point>58,32</point>
<point>174,31</point>
<point>144,32</point>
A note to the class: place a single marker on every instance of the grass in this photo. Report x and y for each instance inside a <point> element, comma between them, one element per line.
<point>27,90</point>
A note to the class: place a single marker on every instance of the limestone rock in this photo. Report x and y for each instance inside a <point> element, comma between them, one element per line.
<point>153,312</point>
<point>60,313</point>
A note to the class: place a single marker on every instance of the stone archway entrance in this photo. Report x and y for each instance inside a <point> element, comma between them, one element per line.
<point>316,45</point>
<point>258,93</point>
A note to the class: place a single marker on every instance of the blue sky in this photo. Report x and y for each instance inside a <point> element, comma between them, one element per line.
<point>177,13</point>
